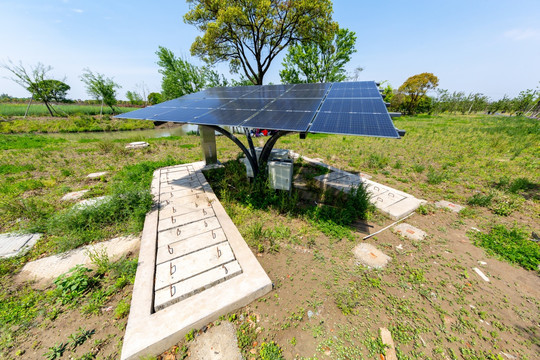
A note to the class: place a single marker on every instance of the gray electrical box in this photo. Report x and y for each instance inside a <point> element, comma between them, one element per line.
<point>281,174</point>
<point>208,143</point>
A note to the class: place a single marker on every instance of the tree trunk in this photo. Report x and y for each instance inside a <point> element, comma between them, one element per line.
<point>28,107</point>
<point>101,110</point>
<point>49,108</point>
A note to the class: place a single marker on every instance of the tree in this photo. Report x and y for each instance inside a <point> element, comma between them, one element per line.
<point>249,34</point>
<point>155,98</point>
<point>181,77</point>
<point>39,84</point>
<point>101,88</point>
<point>319,61</point>
<point>415,88</point>
<point>134,98</point>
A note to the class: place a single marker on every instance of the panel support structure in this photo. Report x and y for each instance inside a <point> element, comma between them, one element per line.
<point>208,143</point>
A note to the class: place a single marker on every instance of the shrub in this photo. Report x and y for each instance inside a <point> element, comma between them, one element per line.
<point>73,284</point>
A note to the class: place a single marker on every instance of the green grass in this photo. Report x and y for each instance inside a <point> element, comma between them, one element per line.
<point>8,109</point>
<point>72,124</point>
<point>512,245</point>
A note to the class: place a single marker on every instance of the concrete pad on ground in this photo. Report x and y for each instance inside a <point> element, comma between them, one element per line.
<point>137,145</point>
<point>202,268</point>
<point>96,175</point>
<point>410,232</point>
<point>370,256</point>
<point>12,244</point>
<point>74,195</point>
<point>45,270</point>
<point>450,206</point>
<point>218,343</point>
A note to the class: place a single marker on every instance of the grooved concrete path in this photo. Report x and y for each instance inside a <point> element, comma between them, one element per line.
<point>193,266</point>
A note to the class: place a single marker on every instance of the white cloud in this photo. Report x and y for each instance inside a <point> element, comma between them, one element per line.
<point>78,11</point>
<point>522,34</point>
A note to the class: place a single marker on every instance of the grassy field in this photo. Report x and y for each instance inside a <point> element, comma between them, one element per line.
<point>324,306</point>
<point>37,109</point>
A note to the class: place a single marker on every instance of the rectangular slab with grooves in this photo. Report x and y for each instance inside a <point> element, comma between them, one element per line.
<point>194,265</point>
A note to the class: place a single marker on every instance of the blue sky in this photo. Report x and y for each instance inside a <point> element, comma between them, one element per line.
<point>492,47</point>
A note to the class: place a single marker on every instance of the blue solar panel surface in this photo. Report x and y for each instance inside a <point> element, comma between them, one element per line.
<point>351,108</point>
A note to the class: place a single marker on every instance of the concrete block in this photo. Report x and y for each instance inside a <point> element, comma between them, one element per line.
<point>189,245</point>
<point>137,145</point>
<point>450,206</point>
<point>196,284</point>
<point>74,195</point>
<point>370,256</point>
<point>45,270</point>
<point>218,343</point>
<point>91,202</point>
<point>192,264</point>
<point>410,232</point>
<point>402,208</point>
<point>170,236</point>
<point>12,244</point>
<point>96,175</point>
<point>386,338</point>
<point>172,221</point>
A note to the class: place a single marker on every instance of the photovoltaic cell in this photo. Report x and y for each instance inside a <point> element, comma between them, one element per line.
<point>286,104</point>
<point>303,94</point>
<point>355,85</point>
<point>354,93</point>
<point>246,104</point>
<point>322,86</point>
<point>353,105</point>
<point>224,117</point>
<point>379,125</point>
<point>183,115</point>
<point>281,120</point>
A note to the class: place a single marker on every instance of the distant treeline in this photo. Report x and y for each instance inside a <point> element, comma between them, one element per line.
<point>527,103</point>
<point>5,98</point>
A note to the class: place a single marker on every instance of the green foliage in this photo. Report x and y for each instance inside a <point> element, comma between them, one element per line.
<point>73,284</point>
<point>246,335</point>
<point>480,199</point>
<point>319,61</point>
<point>80,337</point>
<point>56,352</point>
<point>122,309</point>
<point>181,77</point>
<point>134,98</point>
<point>14,169</point>
<point>512,245</point>
<point>415,88</point>
<point>229,30</point>
<point>155,98</point>
<point>271,351</point>
<point>100,87</point>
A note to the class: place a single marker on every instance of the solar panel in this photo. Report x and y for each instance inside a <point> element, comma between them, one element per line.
<point>246,104</point>
<point>353,105</point>
<point>281,120</point>
<point>379,125</point>
<point>223,117</point>
<point>353,108</point>
<point>285,104</point>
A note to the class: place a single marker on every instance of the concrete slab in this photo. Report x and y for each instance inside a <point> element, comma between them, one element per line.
<point>91,202</point>
<point>74,195</point>
<point>194,265</point>
<point>450,206</point>
<point>12,244</point>
<point>370,256</point>
<point>410,232</point>
<point>218,343</point>
<point>96,175</point>
<point>45,270</point>
<point>137,145</point>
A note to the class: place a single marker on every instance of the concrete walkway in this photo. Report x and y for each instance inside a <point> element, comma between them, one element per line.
<point>194,265</point>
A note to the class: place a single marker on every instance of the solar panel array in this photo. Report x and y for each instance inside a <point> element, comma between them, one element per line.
<point>349,108</point>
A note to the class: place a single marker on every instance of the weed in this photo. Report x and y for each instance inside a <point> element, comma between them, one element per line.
<point>435,177</point>
<point>122,309</point>
<point>480,200</point>
<point>512,245</point>
<point>80,337</point>
<point>271,351</point>
<point>73,284</point>
<point>190,335</point>
<point>377,161</point>
<point>246,336</point>
<point>56,352</point>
